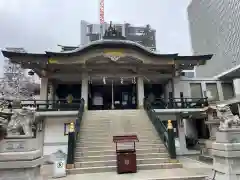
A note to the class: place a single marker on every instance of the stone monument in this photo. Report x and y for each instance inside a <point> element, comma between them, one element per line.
<point>226,149</point>
<point>21,146</point>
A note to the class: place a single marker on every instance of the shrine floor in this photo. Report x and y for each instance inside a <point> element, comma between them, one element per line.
<point>192,169</point>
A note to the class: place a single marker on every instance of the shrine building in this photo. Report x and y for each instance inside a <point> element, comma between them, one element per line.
<point>112,73</point>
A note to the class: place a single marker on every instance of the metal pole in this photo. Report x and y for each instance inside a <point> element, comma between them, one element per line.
<point>112,96</point>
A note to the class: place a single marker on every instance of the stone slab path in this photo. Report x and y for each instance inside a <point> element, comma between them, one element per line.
<point>191,168</point>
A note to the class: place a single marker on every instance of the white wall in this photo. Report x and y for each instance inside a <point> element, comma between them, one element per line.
<point>54,138</point>
<point>236,85</point>
<point>182,84</point>
<point>167,89</point>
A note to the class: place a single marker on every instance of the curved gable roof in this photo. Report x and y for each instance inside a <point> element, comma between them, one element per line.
<point>111,43</point>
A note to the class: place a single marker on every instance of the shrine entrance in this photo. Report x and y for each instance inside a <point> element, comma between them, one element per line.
<point>112,94</point>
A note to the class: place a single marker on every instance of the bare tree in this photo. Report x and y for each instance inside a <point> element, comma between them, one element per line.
<point>14,84</point>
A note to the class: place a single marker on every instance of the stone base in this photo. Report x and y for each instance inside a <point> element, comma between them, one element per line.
<point>228,136</point>
<point>21,174</point>
<point>226,154</point>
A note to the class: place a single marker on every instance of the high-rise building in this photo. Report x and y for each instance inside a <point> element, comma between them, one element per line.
<point>215,28</point>
<point>144,35</point>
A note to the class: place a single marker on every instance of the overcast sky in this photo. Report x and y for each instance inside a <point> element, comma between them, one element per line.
<point>39,25</point>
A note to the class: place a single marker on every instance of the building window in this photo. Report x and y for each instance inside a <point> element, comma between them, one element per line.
<point>212,91</point>
<point>228,91</point>
<point>196,90</point>
<point>89,28</point>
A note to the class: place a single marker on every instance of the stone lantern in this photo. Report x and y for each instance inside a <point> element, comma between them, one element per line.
<point>212,121</point>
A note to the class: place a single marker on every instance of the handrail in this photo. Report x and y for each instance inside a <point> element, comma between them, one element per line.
<point>62,104</point>
<point>73,136</point>
<point>166,134</point>
<point>42,105</point>
<point>177,103</point>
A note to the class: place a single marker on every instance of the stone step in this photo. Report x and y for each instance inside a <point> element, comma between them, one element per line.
<point>97,152</point>
<point>100,125</point>
<point>129,130</point>
<point>109,138</point>
<point>110,142</point>
<point>112,118</point>
<point>101,157</point>
<point>108,145</point>
<point>113,162</point>
<point>110,135</point>
<point>113,168</point>
<point>103,129</point>
<point>118,114</point>
<point>120,132</point>
<point>161,147</point>
<point>116,119</point>
<point>107,131</point>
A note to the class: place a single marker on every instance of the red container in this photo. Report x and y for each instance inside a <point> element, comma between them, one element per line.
<point>126,158</point>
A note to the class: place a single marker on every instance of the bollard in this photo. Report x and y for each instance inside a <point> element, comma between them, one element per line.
<point>171,141</point>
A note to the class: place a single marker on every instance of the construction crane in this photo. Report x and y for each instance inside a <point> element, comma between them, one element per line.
<point>101,12</point>
<point>101,16</point>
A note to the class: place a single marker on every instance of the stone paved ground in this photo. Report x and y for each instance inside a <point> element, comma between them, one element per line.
<point>190,168</point>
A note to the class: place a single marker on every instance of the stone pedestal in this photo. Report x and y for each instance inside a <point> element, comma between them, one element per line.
<point>21,174</point>
<point>226,154</point>
<point>20,158</point>
<point>206,149</point>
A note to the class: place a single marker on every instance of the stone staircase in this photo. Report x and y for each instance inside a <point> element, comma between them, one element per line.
<point>95,151</point>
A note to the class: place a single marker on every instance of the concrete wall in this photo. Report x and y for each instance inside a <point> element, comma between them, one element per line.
<point>167,89</point>
<point>182,84</point>
<point>54,138</point>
